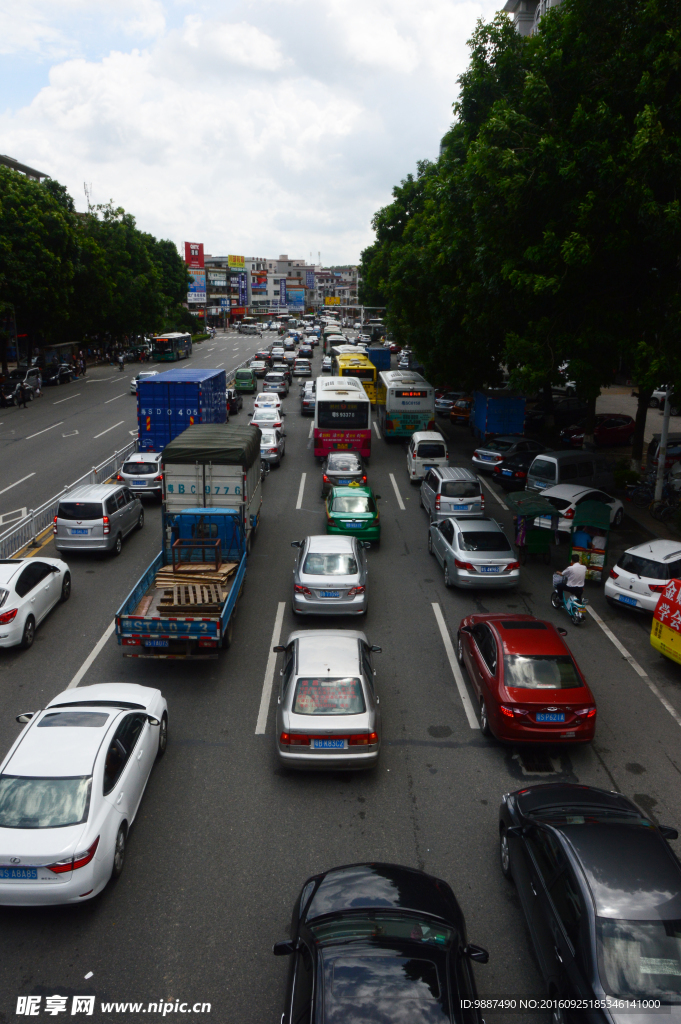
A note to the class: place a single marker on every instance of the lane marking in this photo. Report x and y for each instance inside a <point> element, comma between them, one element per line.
<point>108,429</point>
<point>261,724</point>
<point>38,432</point>
<point>16,483</point>
<point>219,365</point>
<point>123,377</point>
<point>115,397</point>
<point>72,433</point>
<point>635,665</point>
<point>397,491</point>
<point>455,667</point>
<point>77,395</point>
<point>299,503</point>
<point>92,655</point>
<point>311,429</point>
<point>378,432</point>
<point>484,483</point>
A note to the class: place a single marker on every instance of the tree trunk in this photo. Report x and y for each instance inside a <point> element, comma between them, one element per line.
<point>549,416</point>
<point>3,353</point>
<point>589,440</point>
<point>644,396</point>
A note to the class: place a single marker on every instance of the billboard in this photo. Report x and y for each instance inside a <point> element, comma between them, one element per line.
<point>259,283</point>
<point>332,300</point>
<point>296,298</point>
<point>236,262</point>
<point>193,254</point>
<point>197,286</point>
<point>243,295</point>
<point>309,278</point>
<point>282,292</point>
<point>218,278</point>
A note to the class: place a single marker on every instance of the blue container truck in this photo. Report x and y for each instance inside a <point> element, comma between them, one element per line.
<point>172,401</point>
<point>497,412</point>
<point>380,357</point>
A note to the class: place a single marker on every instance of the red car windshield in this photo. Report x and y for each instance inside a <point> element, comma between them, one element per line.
<point>541,672</point>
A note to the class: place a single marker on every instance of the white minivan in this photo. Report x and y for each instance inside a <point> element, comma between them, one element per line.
<point>427,449</point>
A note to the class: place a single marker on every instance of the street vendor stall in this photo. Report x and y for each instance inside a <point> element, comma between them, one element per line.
<point>527,506</point>
<point>665,635</point>
<point>589,537</point>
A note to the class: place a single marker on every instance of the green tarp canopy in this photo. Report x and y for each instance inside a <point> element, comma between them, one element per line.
<point>219,443</point>
<point>528,503</point>
<point>592,513</point>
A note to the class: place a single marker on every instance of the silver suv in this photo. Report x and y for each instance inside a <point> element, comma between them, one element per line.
<point>450,491</point>
<point>96,517</point>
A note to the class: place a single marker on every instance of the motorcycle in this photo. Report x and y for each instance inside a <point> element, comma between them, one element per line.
<point>573,605</point>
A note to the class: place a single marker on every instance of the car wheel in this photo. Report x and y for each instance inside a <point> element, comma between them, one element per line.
<point>674,410</point>
<point>119,853</point>
<point>653,403</point>
<point>484,720</point>
<point>459,649</point>
<point>619,516</point>
<point>140,520</point>
<point>118,546</point>
<point>505,855</point>
<point>66,587</point>
<point>448,581</point>
<point>163,736</point>
<point>430,544</point>
<point>28,636</point>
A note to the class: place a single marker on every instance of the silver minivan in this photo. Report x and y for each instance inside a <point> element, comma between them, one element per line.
<point>96,517</point>
<point>570,467</point>
<point>451,491</point>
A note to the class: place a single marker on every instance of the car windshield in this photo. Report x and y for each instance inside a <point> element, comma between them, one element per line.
<point>332,696</point>
<point>460,489</point>
<point>462,405</point>
<point>268,437</point>
<point>319,563</point>
<point>384,927</point>
<point>140,468</point>
<point>353,503</point>
<point>640,959</point>
<point>649,568</point>
<point>43,803</point>
<point>497,446</point>
<point>544,470</point>
<point>343,464</point>
<point>541,672</point>
<point>558,503</point>
<point>77,510</point>
<point>484,540</point>
<point>73,720</point>
<point>266,415</point>
<point>431,450</point>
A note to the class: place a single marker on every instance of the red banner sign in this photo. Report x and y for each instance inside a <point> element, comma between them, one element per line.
<point>193,254</point>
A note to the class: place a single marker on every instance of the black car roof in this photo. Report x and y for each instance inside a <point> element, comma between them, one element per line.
<point>560,794</point>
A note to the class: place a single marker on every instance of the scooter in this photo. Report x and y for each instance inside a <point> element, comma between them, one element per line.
<point>575,607</point>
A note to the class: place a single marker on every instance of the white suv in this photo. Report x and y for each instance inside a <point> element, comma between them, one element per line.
<point>642,573</point>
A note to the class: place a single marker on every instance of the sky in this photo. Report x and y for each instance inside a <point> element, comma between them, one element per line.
<point>256,128</point>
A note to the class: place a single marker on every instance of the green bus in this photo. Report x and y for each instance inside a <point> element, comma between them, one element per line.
<point>169,348</point>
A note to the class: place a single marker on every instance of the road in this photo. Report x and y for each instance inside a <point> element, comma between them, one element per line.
<point>225,837</point>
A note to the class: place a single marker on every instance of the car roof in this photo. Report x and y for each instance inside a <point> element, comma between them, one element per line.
<point>524,634</point>
<point>382,887</point>
<point>144,457</point>
<point>328,544</point>
<point>428,435</point>
<point>569,491</point>
<point>479,524</point>
<point>328,652</point>
<point>58,753</point>
<point>9,568</point>
<point>660,550</point>
<point>90,492</point>
<point>455,473</point>
<point>512,438</point>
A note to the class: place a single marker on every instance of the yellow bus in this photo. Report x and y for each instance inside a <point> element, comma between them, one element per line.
<point>358,365</point>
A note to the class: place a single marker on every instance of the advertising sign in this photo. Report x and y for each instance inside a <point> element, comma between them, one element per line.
<point>217,278</point>
<point>309,278</point>
<point>332,300</point>
<point>197,286</point>
<point>236,262</point>
<point>259,283</point>
<point>193,254</point>
<point>665,636</point>
<point>296,298</point>
<point>282,292</point>
<point>243,295</point>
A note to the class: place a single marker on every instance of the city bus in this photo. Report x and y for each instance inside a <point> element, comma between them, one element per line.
<point>168,348</point>
<point>342,417</point>
<point>358,365</point>
<point>407,403</point>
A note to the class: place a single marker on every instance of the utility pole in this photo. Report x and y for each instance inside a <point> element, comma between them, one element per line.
<point>662,450</point>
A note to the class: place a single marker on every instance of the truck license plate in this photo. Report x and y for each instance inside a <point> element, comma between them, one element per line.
<point>156,643</point>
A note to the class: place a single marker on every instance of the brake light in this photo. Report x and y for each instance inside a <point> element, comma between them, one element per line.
<point>118,476</point>
<point>105,524</point>
<point>273,451</point>
<point>131,642</point>
<point>204,642</point>
<point>73,863</point>
<point>364,479</point>
<point>586,712</point>
<point>437,502</point>
<point>511,566</point>
<point>299,589</point>
<point>325,479</point>
<point>657,588</point>
<point>506,711</point>
<point>476,454</point>
<point>363,739</point>
<point>11,615</point>
<point>569,514</point>
<point>520,474</point>
<point>54,527</point>
<point>613,575</point>
<point>294,739</point>
<point>499,458</point>
<point>353,591</point>
<point>464,565</point>
<point>159,477</point>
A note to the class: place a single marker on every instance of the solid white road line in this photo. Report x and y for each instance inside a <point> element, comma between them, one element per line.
<point>219,365</point>
<point>92,655</point>
<point>397,492</point>
<point>45,430</point>
<point>378,432</point>
<point>115,397</point>
<point>483,483</point>
<point>299,503</point>
<point>261,724</point>
<point>454,665</point>
<point>635,665</point>
<point>67,399</point>
<point>108,429</point>
<point>16,483</point>
<point>311,429</point>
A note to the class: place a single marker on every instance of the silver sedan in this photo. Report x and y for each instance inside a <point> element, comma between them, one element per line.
<point>330,576</point>
<point>474,553</point>
<point>272,446</point>
<point>328,713</point>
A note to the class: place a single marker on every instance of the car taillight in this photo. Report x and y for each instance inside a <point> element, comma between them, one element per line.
<point>105,524</point>
<point>204,642</point>
<point>159,477</point>
<point>325,479</point>
<point>295,739</point>
<point>364,479</point>
<point>520,474</point>
<point>586,712</point>
<point>118,476</point>
<point>511,566</point>
<point>54,526</point>
<point>273,451</point>
<point>506,711</point>
<point>437,502</point>
<point>353,591</point>
<point>73,863</point>
<point>363,739</point>
<point>569,514</point>
<point>299,589</point>
<point>464,565</point>
<point>613,575</point>
<point>6,617</point>
<point>499,458</point>
<point>657,588</point>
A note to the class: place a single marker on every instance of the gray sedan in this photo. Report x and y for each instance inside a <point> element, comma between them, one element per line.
<point>330,576</point>
<point>474,553</point>
<point>272,446</point>
<point>328,714</point>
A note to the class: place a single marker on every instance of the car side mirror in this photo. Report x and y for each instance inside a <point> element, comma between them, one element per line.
<point>152,721</point>
<point>517,831</point>
<point>375,649</point>
<point>25,717</point>
<point>365,543</point>
<point>297,543</point>
<point>283,948</point>
<point>466,629</point>
<point>279,649</point>
<point>668,832</point>
<point>477,953</point>
<point>563,632</point>
<point>54,568</point>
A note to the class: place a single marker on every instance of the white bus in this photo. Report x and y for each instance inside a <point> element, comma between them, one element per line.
<point>342,417</point>
<point>409,403</point>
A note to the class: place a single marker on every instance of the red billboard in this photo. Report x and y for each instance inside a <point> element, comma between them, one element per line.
<point>193,254</point>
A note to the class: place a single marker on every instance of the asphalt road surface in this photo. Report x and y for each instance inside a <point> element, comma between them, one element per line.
<point>225,838</point>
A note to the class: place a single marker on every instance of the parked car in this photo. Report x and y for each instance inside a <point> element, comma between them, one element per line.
<point>460,412</point>
<point>97,517</point>
<point>277,382</point>
<point>57,373</point>
<point>272,445</point>
<point>29,590</point>
<point>352,511</point>
<point>565,499</point>
<point>141,375</point>
<point>29,376</point>
<point>528,686</point>
<point>445,401</point>
<point>393,939</point>
<point>642,573</point>
<point>474,553</point>
<point>340,469</point>
<point>586,469</point>
<point>565,412</point>
<point>511,474</point>
<point>659,396</point>
<point>490,453</point>
<point>142,474</point>
<point>330,576</point>
<point>451,491</point>
<point>609,429</point>
<point>600,889</point>
<point>235,401</point>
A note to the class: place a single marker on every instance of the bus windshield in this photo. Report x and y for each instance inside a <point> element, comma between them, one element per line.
<point>343,415</point>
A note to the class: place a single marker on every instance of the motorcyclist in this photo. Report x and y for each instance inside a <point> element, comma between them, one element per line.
<point>574,578</point>
<point>121,361</point>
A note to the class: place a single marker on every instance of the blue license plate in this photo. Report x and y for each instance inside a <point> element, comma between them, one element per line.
<point>343,483</point>
<point>156,643</point>
<point>489,568</point>
<point>85,532</point>
<point>139,483</point>
<point>627,600</point>
<point>328,744</point>
<point>487,458</point>
<point>550,716</point>
<point>329,593</point>
<point>507,472</point>
<point>353,526</point>
<point>462,508</point>
<point>19,873</point>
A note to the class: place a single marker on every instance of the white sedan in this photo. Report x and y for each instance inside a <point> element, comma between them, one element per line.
<point>70,788</point>
<point>565,498</point>
<point>268,418</point>
<point>267,399</point>
<point>142,375</point>
<point>29,589</point>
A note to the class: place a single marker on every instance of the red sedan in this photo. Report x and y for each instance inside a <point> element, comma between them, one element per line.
<point>529,687</point>
<point>609,428</point>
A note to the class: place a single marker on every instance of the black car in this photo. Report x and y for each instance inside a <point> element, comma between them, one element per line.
<point>341,469</point>
<point>511,474</point>
<point>565,412</point>
<point>378,942</point>
<point>58,373</point>
<point>235,401</point>
<point>601,891</point>
<point>494,452</point>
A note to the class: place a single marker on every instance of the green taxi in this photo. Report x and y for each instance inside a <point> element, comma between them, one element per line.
<point>245,381</point>
<point>352,511</point>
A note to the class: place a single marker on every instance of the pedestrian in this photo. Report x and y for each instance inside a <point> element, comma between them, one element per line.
<point>83,367</point>
<point>23,391</point>
<point>120,361</point>
<point>38,386</point>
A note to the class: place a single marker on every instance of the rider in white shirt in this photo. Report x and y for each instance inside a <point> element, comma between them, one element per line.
<point>574,578</point>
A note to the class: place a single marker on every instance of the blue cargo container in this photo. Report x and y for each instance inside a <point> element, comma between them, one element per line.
<point>380,357</point>
<point>170,402</point>
<point>497,412</point>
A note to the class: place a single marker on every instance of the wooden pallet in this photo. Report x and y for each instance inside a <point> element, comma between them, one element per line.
<point>193,596</point>
<point>200,573</point>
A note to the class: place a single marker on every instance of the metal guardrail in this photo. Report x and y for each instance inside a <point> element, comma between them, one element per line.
<point>32,525</point>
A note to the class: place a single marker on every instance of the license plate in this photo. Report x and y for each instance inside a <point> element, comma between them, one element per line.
<point>549,716</point>
<point>139,483</point>
<point>18,873</point>
<point>462,508</point>
<point>343,483</point>
<point>429,467</point>
<point>329,744</point>
<point>156,643</point>
<point>489,568</point>
<point>80,532</point>
<point>487,458</point>
<point>507,472</point>
<point>329,593</point>
<point>627,600</point>
<point>353,525</point>
<point>342,446</point>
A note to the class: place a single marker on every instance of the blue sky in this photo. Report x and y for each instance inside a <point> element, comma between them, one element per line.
<point>257,128</point>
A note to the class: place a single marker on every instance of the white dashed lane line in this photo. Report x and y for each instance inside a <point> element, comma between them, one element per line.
<point>397,491</point>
